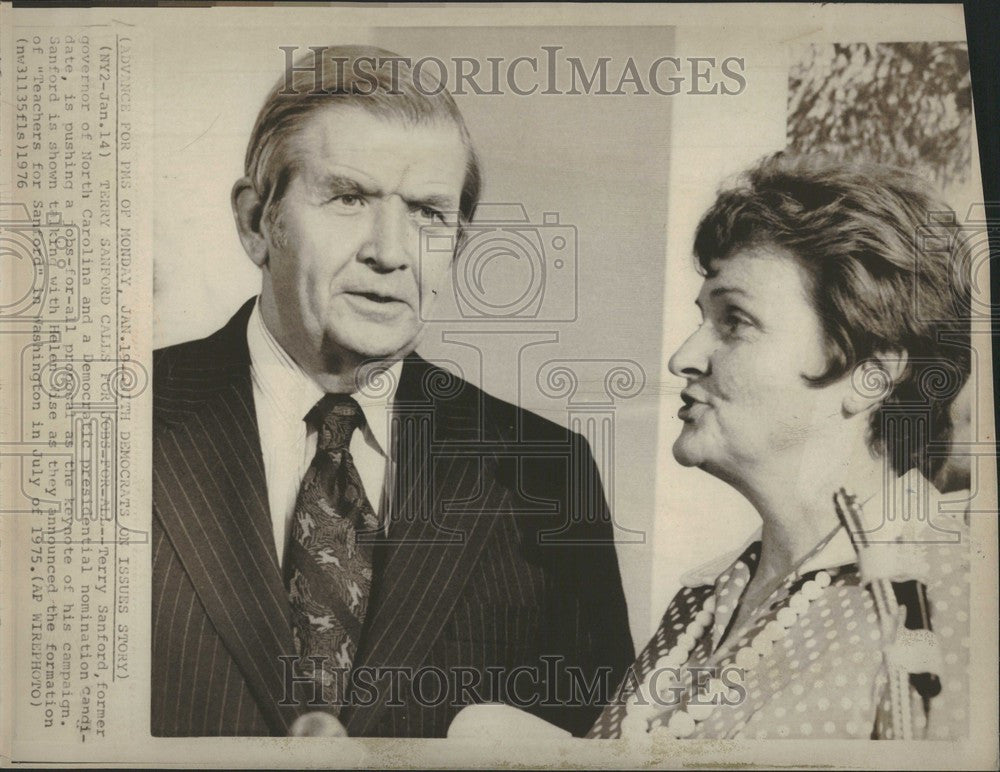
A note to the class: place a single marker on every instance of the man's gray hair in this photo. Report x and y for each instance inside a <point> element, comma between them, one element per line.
<point>373,79</point>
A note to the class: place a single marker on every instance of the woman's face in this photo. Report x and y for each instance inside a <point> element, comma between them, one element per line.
<point>746,404</point>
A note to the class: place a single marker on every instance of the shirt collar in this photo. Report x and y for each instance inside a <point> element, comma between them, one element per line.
<point>293,393</point>
<point>837,552</point>
<point>840,551</point>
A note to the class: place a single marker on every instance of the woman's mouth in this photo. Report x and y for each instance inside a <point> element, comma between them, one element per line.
<point>691,408</point>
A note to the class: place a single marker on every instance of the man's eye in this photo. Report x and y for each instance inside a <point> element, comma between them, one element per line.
<point>430,213</point>
<point>347,199</point>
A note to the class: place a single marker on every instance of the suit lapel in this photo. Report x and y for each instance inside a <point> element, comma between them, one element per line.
<point>212,501</point>
<point>441,513</point>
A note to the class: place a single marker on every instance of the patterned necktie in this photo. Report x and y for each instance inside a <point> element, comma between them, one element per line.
<point>327,570</point>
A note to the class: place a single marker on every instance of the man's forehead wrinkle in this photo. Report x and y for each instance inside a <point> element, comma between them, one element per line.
<point>424,163</point>
<point>381,177</point>
<point>332,133</point>
<point>437,190</point>
<point>342,172</point>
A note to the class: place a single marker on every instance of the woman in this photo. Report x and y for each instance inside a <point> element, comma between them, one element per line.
<point>833,343</point>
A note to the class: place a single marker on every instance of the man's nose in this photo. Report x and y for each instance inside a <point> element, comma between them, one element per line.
<point>390,244</point>
<point>691,359</point>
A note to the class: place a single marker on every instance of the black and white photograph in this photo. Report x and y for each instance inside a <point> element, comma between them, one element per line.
<point>557,385</point>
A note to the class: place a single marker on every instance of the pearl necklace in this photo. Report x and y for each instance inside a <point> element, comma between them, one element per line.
<point>645,705</point>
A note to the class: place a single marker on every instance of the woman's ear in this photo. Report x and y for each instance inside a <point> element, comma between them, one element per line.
<point>247,209</point>
<point>873,379</point>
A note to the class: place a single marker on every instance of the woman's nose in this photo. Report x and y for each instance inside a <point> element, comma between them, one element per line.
<point>691,359</point>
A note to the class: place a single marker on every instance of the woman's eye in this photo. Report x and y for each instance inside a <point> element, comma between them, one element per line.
<point>734,322</point>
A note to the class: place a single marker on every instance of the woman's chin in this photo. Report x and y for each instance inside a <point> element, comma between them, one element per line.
<point>685,454</point>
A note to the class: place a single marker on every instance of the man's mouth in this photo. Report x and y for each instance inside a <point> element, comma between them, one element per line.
<point>376,297</point>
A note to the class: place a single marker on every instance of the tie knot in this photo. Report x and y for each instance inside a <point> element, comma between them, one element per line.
<point>335,417</point>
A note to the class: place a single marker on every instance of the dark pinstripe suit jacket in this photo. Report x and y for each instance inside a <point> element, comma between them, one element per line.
<point>498,555</point>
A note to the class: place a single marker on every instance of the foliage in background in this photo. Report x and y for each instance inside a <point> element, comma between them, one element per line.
<point>906,104</point>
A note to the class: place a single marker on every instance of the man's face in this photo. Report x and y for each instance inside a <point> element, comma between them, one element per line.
<point>344,281</point>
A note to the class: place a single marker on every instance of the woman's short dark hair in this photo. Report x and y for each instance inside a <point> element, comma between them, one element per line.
<point>886,274</point>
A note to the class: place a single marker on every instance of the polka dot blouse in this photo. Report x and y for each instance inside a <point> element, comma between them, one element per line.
<point>826,677</point>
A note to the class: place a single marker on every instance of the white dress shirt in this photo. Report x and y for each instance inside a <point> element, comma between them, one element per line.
<point>283,395</point>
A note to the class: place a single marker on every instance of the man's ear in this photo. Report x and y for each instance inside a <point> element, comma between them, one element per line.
<point>873,379</point>
<point>247,209</point>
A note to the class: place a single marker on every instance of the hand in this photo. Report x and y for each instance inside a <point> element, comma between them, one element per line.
<point>494,721</point>
<point>317,724</point>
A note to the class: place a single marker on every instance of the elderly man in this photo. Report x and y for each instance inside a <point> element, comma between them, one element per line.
<point>342,530</point>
